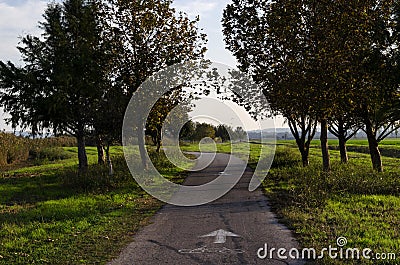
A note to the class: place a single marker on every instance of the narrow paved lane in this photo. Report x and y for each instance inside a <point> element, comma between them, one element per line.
<point>228,231</point>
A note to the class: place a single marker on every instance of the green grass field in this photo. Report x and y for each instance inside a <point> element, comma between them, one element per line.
<point>388,147</point>
<point>352,201</point>
<point>392,142</point>
<point>49,215</point>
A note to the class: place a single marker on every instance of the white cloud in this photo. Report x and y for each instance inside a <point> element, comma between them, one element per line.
<point>15,21</point>
<point>210,12</point>
<point>20,17</point>
<point>17,18</point>
<point>196,8</point>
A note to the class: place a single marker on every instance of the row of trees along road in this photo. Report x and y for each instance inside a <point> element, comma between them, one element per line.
<point>79,75</point>
<point>329,62</point>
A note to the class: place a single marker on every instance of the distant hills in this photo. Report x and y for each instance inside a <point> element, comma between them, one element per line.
<point>285,134</point>
<point>28,134</point>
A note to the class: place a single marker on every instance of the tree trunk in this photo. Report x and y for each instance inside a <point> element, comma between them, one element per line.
<point>304,151</point>
<point>342,134</point>
<point>158,139</point>
<point>343,150</point>
<point>158,147</point>
<point>324,146</point>
<point>82,157</point>
<point>100,151</point>
<point>305,157</point>
<point>373,147</point>
<point>154,138</point>
<point>342,142</point>
<point>109,162</point>
<point>303,137</point>
<point>142,147</point>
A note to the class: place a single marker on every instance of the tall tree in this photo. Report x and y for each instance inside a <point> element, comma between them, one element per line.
<point>377,87</point>
<point>188,130</point>
<point>240,134</point>
<point>224,132</point>
<point>269,41</point>
<point>316,59</point>
<point>152,36</point>
<point>58,87</point>
<point>355,55</point>
<point>204,130</point>
<point>158,117</point>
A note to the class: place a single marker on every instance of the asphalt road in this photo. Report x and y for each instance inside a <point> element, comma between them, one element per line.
<point>230,230</point>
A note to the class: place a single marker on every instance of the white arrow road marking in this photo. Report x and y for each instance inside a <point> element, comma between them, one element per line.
<point>220,236</point>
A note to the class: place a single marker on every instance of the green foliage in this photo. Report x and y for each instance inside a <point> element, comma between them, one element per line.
<point>319,61</point>
<point>164,38</point>
<point>187,131</point>
<point>13,149</point>
<point>224,132</point>
<point>57,79</point>
<point>161,110</point>
<point>81,73</point>
<point>203,130</point>
<point>19,149</point>
<point>59,141</point>
<point>48,154</point>
<point>148,36</point>
<point>97,179</point>
<point>285,157</point>
<point>63,76</point>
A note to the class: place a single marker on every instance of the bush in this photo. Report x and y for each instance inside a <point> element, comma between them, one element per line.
<point>61,141</point>
<point>16,148</point>
<point>97,178</point>
<point>285,157</point>
<point>13,148</point>
<point>49,154</point>
<point>310,187</point>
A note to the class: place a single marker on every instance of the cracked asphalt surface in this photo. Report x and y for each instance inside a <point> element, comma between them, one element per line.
<point>174,235</point>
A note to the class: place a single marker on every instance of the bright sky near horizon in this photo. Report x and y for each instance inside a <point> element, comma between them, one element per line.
<point>20,17</point>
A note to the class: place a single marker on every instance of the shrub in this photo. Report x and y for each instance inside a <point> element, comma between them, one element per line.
<point>310,187</point>
<point>16,148</point>
<point>97,178</point>
<point>49,154</point>
<point>13,148</point>
<point>285,157</point>
<point>61,141</point>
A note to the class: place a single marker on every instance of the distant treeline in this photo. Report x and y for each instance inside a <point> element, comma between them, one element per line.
<point>16,148</point>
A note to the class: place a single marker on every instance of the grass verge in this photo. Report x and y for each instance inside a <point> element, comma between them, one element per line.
<point>50,215</point>
<point>352,201</point>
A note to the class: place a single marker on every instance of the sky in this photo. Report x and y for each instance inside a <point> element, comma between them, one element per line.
<point>20,17</point>
<point>210,12</point>
<point>17,18</point>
